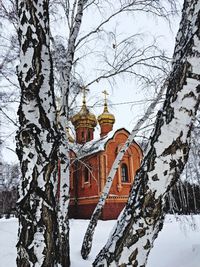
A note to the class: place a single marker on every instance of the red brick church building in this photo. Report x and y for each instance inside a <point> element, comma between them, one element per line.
<point>91,161</point>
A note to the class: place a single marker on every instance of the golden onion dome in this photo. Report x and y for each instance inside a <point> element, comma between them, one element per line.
<point>106,116</point>
<point>84,118</point>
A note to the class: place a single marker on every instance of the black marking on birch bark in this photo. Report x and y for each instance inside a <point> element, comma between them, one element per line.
<point>151,208</point>
<point>176,145</point>
<point>169,115</point>
<point>134,264</point>
<point>155,177</point>
<point>24,167</point>
<point>173,164</point>
<point>190,95</point>
<point>141,225</point>
<point>177,166</point>
<point>176,82</point>
<point>44,120</point>
<point>147,245</point>
<point>198,89</point>
<point>26,137</point>
<point>152,153</point>
<point>140,232</point>
<point>132,240</point>
<point>165,173</point>
<point>151,162</point>
<point>133,256</point>
<point>23,18</point>
<point>30,155</point>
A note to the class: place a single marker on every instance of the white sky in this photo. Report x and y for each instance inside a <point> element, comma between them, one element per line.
<point>125,90</point>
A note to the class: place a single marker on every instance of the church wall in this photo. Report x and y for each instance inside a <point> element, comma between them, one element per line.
<point>85,194</point>
<point>131,158</point>
<point>110,212</point>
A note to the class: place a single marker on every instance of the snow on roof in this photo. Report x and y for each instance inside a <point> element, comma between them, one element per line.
<point>91,147</point>
<point>95,145</point>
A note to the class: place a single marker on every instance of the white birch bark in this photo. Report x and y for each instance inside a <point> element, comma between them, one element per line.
<point>63,200</point>
<point>87,241</point>
<point>142,219</point>
<point>36,139</point>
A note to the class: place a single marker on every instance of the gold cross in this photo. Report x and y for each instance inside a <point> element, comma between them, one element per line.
<point>105,95</point>
<point>85,90</point>
<point>105,100</point>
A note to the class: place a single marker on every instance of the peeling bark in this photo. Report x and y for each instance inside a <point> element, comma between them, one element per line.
<point>142,219</point>
<point>37,140</point>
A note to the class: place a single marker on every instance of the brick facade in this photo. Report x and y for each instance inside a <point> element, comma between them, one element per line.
<point>88,176</point>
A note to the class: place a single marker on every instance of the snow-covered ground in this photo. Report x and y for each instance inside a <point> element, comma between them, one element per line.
<point>178,244</point>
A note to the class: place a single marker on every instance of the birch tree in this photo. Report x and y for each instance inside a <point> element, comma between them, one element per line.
<point>142,219</point>
<point>37,142</point>
<point>64,161</point>
<point>115,56</point>
<point>87,241</point>
<point>125,59</point>
<point>192,170</point>
<point>44,230</point>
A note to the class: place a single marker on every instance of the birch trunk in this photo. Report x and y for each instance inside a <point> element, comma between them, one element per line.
<point>37,142</point>
<point>63,200</point>
<point>142,219</point>
<point>87,241</point>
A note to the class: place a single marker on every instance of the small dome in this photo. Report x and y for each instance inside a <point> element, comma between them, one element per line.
<point>84,118</point>
<point>106,116</point>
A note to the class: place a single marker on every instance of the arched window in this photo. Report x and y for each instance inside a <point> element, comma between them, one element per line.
<point>86,175</point>
<point>89,136</point>
<point>82,135</point>
<point>124,171</point>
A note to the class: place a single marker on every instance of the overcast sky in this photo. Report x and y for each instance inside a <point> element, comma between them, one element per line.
<point>125,90</point>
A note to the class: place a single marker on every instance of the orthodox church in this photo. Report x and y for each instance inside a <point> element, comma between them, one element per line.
<point>91,161</point>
